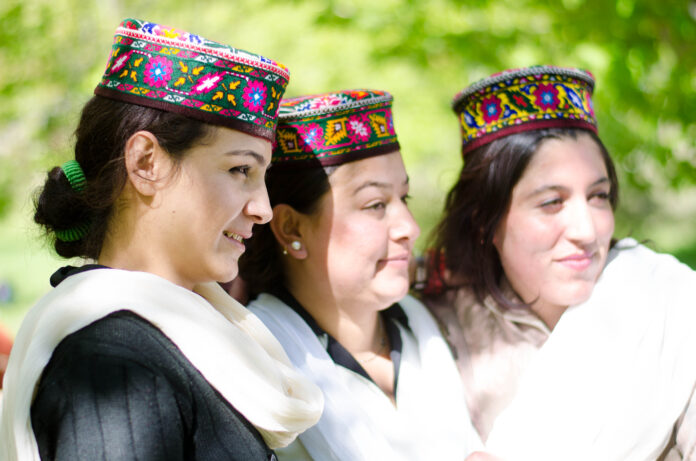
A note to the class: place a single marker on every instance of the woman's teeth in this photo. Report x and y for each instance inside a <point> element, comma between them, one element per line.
<point>232,235</point>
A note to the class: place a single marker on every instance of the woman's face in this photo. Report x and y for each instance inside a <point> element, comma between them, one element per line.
<point>554,239</point>
<point>211,205</point>
<point>360,238</point>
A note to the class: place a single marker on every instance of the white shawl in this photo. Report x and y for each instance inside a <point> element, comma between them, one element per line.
<point>430,420</point>
<point>617,371</point>
<point>217,335</point>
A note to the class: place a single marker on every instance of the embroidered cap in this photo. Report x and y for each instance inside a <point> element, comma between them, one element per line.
<point>173,70</point>
<point>334,128</point>
<point>525,99</point>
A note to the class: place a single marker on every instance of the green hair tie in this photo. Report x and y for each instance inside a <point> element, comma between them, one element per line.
<point>76,177</point>
<point>73,234</point>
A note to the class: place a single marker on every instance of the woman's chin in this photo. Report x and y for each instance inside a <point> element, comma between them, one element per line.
<point>393,292</point>
<point>577,294</point>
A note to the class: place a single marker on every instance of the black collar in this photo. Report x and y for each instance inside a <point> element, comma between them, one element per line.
<point>66,271</point>
<point>392,316</point>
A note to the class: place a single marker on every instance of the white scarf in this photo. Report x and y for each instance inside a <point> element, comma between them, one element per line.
<point>617,371</point>
<point>430,420</point>
<point>217,335</point>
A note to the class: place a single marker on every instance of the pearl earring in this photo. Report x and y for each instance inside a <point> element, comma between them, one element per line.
<point>295,245</point>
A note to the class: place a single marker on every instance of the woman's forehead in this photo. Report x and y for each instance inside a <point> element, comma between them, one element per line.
<point>380,170</point>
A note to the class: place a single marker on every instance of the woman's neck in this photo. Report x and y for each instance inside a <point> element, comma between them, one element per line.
<point>356,327</point>
<point>549,314</point>
<point>129,246</point>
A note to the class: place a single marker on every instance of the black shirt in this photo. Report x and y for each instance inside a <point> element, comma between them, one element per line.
<point>119,389</point>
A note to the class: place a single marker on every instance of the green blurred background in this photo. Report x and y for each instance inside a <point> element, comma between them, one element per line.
<point>643,54</point>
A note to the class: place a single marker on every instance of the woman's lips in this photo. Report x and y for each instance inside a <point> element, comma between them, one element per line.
<point>577,262</point>
<point>236,239</point>
<point>401,260</point>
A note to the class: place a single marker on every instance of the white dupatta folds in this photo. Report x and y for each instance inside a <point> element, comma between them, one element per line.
<point>221,338</point>
<point>430,420</point>
<point>617,371</point>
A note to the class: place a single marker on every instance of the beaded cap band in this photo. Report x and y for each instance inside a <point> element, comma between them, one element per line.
<point>334,128</point>
<point>525,99</point>
<point>76,177</point>
<point>173,70</point>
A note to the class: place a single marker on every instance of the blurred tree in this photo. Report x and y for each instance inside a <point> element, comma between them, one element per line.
<point>642,53</point>
<point>52,53</point>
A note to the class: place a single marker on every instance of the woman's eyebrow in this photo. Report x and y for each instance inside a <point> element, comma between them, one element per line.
<point>556,187</point>
<point>381,185</point>
<point>249,153</point>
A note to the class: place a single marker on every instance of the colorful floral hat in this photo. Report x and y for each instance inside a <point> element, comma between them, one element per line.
<point>524,99</point>
<point>169,69</point>
<point>334,128</point>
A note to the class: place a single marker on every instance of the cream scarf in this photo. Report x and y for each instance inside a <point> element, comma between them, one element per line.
<point>616,373</point>
<point>221,338</point>
<point>430,420</point>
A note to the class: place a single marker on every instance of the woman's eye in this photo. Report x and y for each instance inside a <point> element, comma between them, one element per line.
<point>550,203</point>
<point>405,199</point>
<point>551,206</point>
<point>602,196</point>
<point>377,206</point>
<point>243,169</point>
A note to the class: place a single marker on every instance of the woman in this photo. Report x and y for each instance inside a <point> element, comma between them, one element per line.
<point>142,355</point>
<point>332,273</point>
<point>570,347</point>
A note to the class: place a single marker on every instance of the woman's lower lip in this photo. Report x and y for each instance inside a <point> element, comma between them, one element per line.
<point>235,242</point>
<point>395,262</point>
<point>577,264</point>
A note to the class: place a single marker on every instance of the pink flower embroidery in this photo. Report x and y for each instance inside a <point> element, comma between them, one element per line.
<point>546,96</point>
<point>312,136</point>
<point>358,128</point>
<point>207,83</point>
<point>254,96</point>
<point>491,108</point>
<point>158,71</point>
<point>327,101</point>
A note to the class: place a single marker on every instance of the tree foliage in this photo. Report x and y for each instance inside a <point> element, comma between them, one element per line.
<point>643,54</point>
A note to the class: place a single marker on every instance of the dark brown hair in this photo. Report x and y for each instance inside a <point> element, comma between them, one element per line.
<point>479,200</point>
<point>261,265</point>
<point>101,135</point>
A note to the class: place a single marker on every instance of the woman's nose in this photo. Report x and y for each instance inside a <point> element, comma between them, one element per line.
<point>258,208</point>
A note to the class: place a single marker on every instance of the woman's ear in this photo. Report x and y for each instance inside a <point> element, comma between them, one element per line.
<point>146,162</point>
<point>286,226</point>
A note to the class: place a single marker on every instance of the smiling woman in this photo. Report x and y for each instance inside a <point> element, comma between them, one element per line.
<point>141,355</point>
<point>331,275</point>
<point>204,205</point>
<point>571,345</point>
<point>553,240</point>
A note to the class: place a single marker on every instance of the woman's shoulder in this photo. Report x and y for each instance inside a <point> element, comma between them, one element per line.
<point>122,373</point>
<point>629,251</point>
<point>634,266</point>
<point>121,340</point>
<point>453,305</point>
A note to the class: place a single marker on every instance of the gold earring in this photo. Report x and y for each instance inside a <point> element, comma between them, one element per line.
<point>285,251</point>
